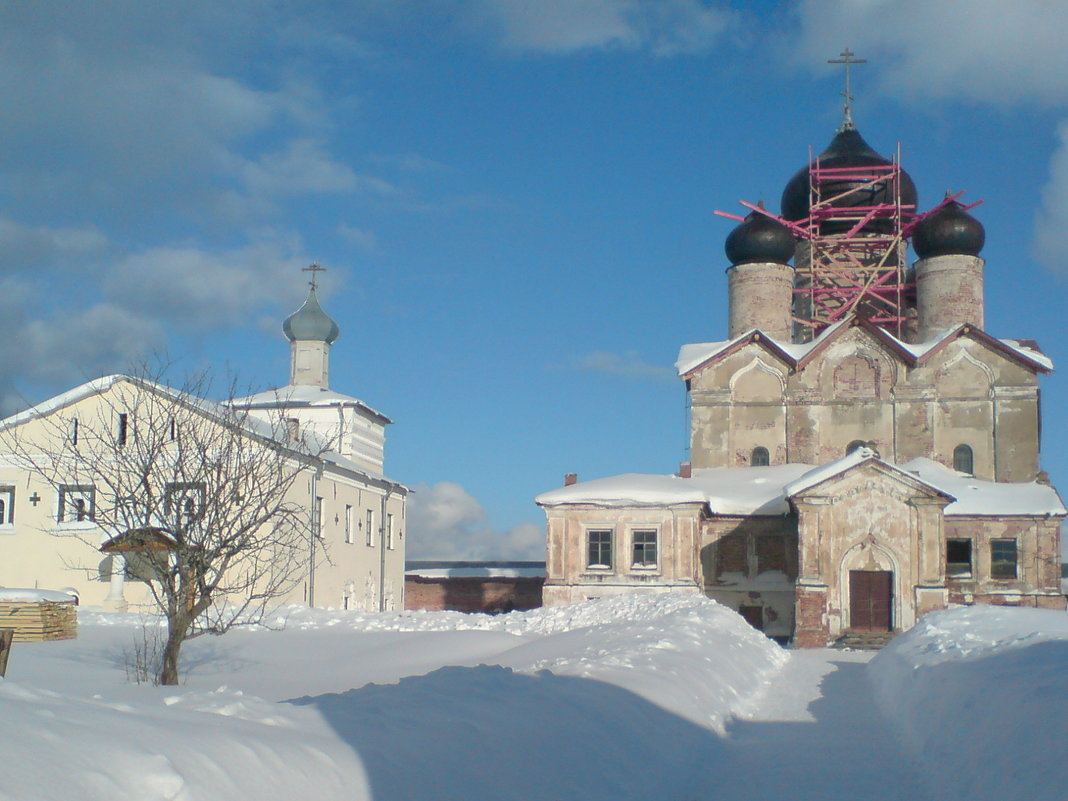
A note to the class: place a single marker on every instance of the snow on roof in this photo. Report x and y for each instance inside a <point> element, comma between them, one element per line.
<point>312,444</point>
<point>726,490</point>
<point>26,595</point>
<point>978,497</point>
<point>823,472</point>
<point>305,395</point>
<point>476,572</point>
<point>766,490</point>
<point>694,355</point>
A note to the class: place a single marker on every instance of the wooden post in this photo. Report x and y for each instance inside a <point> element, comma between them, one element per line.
<point>6,635</point>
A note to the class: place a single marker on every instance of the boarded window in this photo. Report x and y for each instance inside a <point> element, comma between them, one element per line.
<point>731,555</point>
<point>1003,559</point>
<point>599,551</point>
<point>771,553</point>
<point>760,457</point>
<point>958,557</point>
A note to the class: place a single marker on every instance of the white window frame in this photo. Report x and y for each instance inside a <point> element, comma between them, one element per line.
<point>369,535</point>
<point>598,567</point>
<point>7,497</point>
<point>68,496</point>
<point>349,539</point>
<point>391,542</point>
<point>655,531</point>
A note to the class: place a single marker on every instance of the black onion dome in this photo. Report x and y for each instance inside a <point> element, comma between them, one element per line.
<point>847,149</point>
<point>949,231</point>
<point>759,238</point>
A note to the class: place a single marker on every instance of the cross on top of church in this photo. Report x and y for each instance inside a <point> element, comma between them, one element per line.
<point>846,58</point>
<point>313,268</point>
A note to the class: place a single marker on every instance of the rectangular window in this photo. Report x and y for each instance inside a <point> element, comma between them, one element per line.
<point>318,517</point>
<point>600,549</point>
<point>958,557</point>
<point>74,431</point>
<point>643,545</point>
<point>183,504</point>
<point>123,432</point>
<point>370,532</point>
<point>348,527</point>
<point>1003,559</point>
<point>389,532</point>
<point>7,506</point>
<point>77,503</point>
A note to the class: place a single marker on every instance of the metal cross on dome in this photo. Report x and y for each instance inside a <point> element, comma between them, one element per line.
<point>846,58</point>
<point>313,269</point>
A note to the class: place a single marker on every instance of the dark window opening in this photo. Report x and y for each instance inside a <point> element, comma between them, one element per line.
<point>760,457</point>
<point>124,429</point>
<point>963,460</point>
<point>600,549</point>
<point>1003,559</point>
<point>74,431</point>
<point>753,615</point>
<point>958,557</point>
<point>644,545</point>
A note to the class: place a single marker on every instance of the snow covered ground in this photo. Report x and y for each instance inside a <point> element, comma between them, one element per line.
<point>667,697</point>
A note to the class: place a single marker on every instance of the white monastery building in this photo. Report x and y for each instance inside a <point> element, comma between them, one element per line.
<point>355,514</point>
<point>861,450</point>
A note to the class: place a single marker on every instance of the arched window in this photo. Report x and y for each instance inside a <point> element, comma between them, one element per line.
<point>857,443</point>
<point>963,459</point>
<point>760,457</point>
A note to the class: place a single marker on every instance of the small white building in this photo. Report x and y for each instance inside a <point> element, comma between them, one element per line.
<point>49,539</point>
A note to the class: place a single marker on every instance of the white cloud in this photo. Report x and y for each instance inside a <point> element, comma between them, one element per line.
<point>990,51</point>
<point>446,522</point>
<point>628,364</point>
<point>1003,54</point>
<point>24,247</point>
<point>199,290</point>
<point>1051,219</point>
<point>665,27</point>
<point>363,238</point>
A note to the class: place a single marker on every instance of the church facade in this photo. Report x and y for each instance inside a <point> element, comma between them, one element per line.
<point>861,450</point>
<point>49,538</point>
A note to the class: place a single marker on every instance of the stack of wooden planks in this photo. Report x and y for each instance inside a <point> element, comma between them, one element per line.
<point>40,620</point>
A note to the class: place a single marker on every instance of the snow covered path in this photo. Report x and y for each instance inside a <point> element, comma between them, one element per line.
<point>817,734</point>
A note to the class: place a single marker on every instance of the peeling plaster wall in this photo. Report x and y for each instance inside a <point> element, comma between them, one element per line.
<point>965,394</point>
<point>570,578</point>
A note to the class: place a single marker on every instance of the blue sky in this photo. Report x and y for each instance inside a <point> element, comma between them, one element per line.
<point>514,201</point>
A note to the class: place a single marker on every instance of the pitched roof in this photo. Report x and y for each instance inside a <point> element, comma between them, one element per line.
<point>694,357</point>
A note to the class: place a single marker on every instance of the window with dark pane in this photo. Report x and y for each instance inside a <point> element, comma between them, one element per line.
<point>600,548</point>
<point>644,546</point>
<point>963,460</point>
<point>958,557</point>
<point>1003,559</point>
<point>760,457</point>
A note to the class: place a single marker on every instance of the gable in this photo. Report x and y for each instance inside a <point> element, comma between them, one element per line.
<point>852,475</point>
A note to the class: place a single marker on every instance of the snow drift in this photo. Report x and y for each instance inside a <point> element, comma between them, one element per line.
<point>980,695</point>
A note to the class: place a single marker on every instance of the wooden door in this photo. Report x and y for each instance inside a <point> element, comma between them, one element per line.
<point>869,600</point>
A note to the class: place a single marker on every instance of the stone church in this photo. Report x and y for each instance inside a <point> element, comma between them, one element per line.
<point>862,451</point>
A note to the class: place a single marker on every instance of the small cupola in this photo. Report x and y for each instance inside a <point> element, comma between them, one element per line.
<point>950,231</point>
<point>310,322</point>
<point>759,239</point>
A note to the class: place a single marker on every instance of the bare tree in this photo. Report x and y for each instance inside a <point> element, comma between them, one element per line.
<point>205,501</point>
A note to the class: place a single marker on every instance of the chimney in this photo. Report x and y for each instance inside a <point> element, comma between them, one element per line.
<point>570,478</point>
<point>685,470</point>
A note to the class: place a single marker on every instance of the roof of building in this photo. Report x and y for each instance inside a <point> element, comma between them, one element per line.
<point>305,396</point>
<point>310,322</point>
<point>743,491</point>
<point>311,445</point>
<point>696,355</point>
<point>443,568</point>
